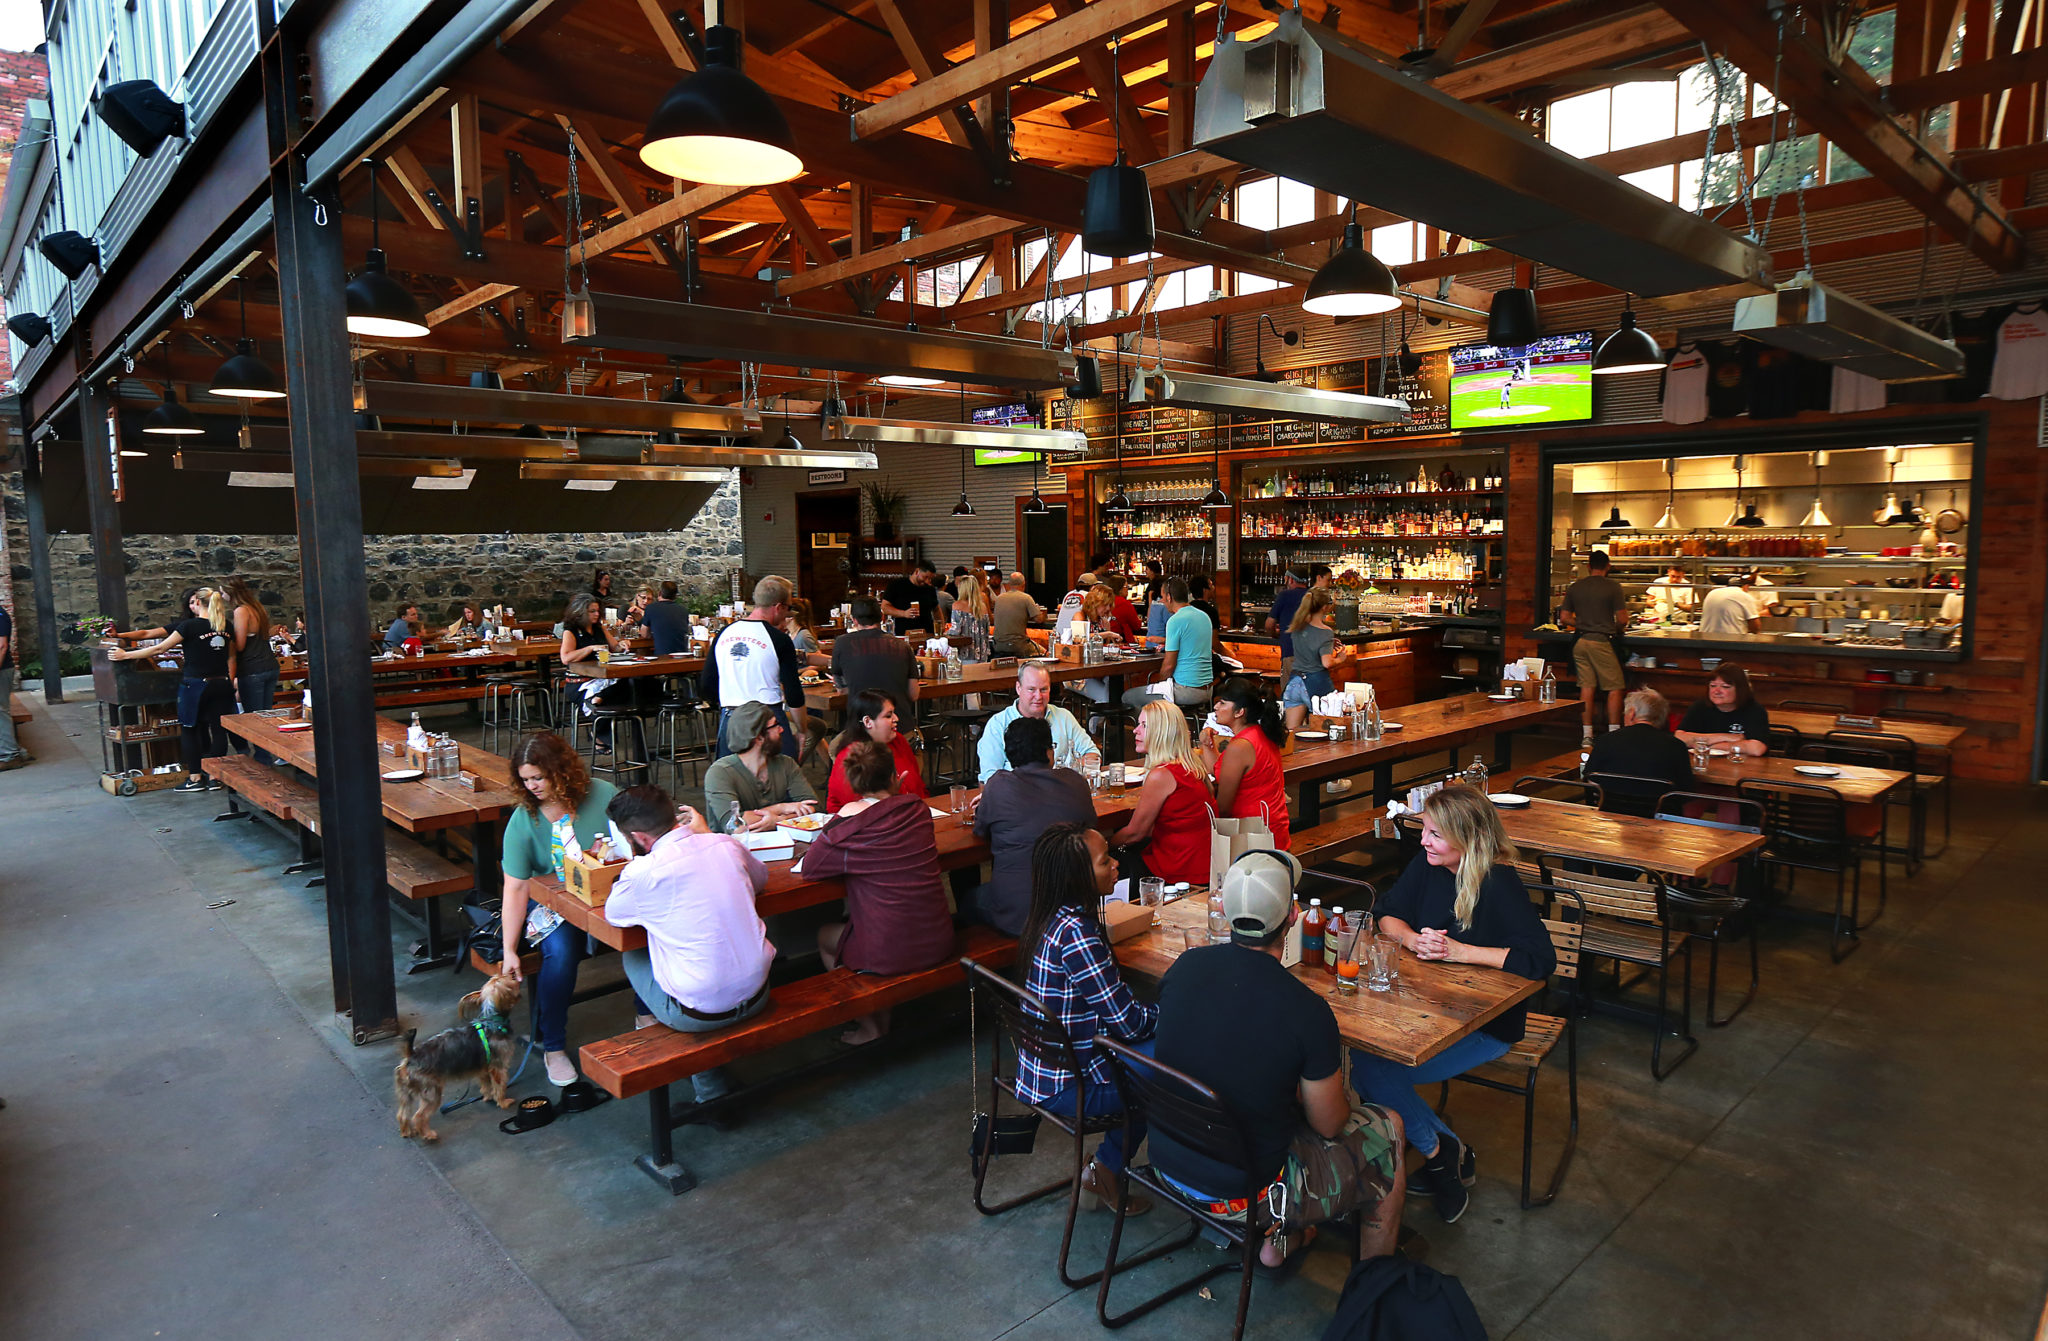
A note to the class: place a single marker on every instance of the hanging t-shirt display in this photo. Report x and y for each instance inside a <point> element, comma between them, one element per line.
<point>2020,370</point>
<point>1977,337</point>
<point>1685,386</point>
<point>1774,382</point>
<point>1727,378</point>
<point>1849,392</point>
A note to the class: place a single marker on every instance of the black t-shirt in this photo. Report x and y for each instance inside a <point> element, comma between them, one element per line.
<point>1704,719</point>
<point>1427,896</point>
<point>1237,1021</point>
<point>1776,382</point>
<point>6,632</point>
<point>1209,608</point>
<point>1727,378</point>
<point>907,595</point>
<point>872,659</point>
<point>669,625</point>
<point>1641,751</point>
<point>206,649</point>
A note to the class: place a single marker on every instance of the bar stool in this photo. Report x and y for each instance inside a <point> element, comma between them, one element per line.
<point>566,696</point>
<point>682,714</point>
<point>965,726</point>
<point>619,718</point>
<point>513,701</point>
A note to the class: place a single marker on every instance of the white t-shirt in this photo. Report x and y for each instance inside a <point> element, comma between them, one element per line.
<point>1685,387</point>
<point>1759,601</point>
<point>749,667</point>
<point>1669,597</point>
<point>694,892</point>
<point>2020,370</point>
<point>1849,392</point>
<point>1725,610</point>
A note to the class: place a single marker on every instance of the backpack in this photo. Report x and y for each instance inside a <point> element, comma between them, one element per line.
<point>1394,1299</point>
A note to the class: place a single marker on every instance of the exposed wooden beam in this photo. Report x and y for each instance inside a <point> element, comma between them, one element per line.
<point>801,226</point>
<point>414,181</point>
<point>1107,81</point>
<point>981,273</point>
<point>666,34</point>
<point>1846,106</point>
<point>922,65</point>
<point>598,159</point>
<point>464,138</point>
<point>1180,81</point>
<point>1614,41</point>
<point>1047,44</point>
<point>655,218</point>
<point>832,270</point>
<point>475,298</point>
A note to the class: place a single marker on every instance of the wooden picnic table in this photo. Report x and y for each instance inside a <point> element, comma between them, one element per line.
<point>1440,724</point>
<point>1854,783</point>
<point>1432,1006</point>
<point>295,664</point>
<point>789,890</point>
<point>1669,847</point>
<point>676,663</point>
<point>417,807</point>
<point>1928,735</point>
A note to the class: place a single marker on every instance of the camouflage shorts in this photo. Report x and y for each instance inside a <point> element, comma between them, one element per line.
<point>1328,1178</point>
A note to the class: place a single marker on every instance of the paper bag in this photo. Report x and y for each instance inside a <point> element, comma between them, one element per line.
<point>1230,839</point>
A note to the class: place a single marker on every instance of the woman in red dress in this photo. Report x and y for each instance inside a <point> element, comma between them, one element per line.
<point>1250,783</point>
<point>1175,804</point>
<point>872,715</point>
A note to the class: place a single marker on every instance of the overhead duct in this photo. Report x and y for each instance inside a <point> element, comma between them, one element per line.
<point>1310,105</point>
<point>371,443</point>
<point>1210,391</point>
<point>443,468</point>
<point>1807,317</point>
<point>488,405</point>
<point>936,433</point>
<point>692,330</point>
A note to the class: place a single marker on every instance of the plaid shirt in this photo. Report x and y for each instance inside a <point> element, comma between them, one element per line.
<point>1075,975</point>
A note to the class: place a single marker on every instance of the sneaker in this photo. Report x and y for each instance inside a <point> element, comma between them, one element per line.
<point>216,785</point>
<point>561,1071</point>
<point>1337,788</point>
<point>191,784</point>
<point>18,761</point>
<point>1451,1198</point>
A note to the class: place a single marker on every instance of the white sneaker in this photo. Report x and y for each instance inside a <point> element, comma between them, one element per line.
<point>1337,788</point>
<point>644,1021</point>
<point>561,1071</point>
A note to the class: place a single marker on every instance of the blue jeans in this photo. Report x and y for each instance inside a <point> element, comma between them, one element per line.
<point>640,972</point>
<point>257,692</point>
<point>1102,1101</point>
<point>1392,1085</point>
<point>790,744</point>
<point>562,951</point>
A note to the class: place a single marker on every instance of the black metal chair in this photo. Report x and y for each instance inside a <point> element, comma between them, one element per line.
<point>1627,921</point>
<point>1806,828</point>
<point>1869,825</point>
<point>1784,741</point>
<point>685,728</point>
<point>1719,906</point>
<point>1908,756</point>
<point>1030,1025</point>
<point>1523,1063</point>
<point>1572,791</point>
<point>1196,1118</point>
<point>1629,793</point>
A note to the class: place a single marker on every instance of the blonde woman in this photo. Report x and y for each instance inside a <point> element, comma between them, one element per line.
<point>1459,902</point>
<point>1316,653</point>
<point>1175,803</point>
<point>206,693</point>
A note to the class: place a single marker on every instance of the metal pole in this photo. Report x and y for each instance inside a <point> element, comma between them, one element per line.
<point>109,564</point>
<point>39,568</point>
<point>310,268</point>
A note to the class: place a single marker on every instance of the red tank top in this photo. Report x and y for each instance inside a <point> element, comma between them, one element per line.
<point>1262,791</point>
<point>1180,835</point>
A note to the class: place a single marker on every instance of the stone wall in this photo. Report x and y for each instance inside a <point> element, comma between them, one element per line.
<point>534,573</point>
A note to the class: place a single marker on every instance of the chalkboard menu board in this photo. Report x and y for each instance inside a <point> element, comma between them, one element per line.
<point>1296,432</point>
<point>1428,394</point>
<point>1169,430</point>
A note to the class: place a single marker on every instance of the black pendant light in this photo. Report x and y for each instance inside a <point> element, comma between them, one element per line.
<point>171,419</point>
<point>1034,506</point>
<point>1630,349</point>
<point>1117,217</point>
<point>1353,282</point>
<point>1511,319</point>
<point>963,508</point>
<point>1615,521</point>
<point>377,303</point>
<point>720,127</point>
<point>245,376</point>
<point>1743,514</point>
<point>1259,328</point>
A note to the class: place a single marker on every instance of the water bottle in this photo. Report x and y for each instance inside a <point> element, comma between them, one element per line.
<point>1476,775</point>
<point>1546,688</point>
<point>1219,924</point>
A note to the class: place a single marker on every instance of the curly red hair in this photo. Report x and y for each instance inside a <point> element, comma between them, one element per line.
<point>560,765</point>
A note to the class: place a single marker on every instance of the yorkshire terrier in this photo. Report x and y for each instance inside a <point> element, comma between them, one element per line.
<point>479,1049</point>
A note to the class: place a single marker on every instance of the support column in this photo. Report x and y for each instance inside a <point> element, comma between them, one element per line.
<point>109,564</point>
<point>39,568</point>
<point>310,267</point>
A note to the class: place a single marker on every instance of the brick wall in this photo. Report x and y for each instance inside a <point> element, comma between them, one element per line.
<point>23,75</point>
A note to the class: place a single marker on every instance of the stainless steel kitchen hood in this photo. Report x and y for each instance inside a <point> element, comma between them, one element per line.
<point>1310,105</point>
<point>1209,391</point>
<point>934,433</point>
<point>692,330</point>
<point>1807,317</point>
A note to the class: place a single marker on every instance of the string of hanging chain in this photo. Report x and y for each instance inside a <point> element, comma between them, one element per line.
<point>575,236</point>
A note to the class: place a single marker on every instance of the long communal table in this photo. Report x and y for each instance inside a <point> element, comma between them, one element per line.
<point>1927,735</point>
<point>1433,1005</point>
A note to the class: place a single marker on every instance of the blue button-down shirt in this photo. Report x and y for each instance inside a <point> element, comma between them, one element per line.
<point>1070,743</point>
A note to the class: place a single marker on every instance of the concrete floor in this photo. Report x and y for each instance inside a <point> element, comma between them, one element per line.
<point>191,1148</point>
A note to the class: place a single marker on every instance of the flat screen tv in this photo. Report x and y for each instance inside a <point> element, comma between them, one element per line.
<point>1549,382</point>
<point>1003,415</point>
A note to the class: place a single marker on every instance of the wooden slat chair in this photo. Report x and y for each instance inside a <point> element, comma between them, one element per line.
<point>1721,905</point>
<point>1626,921</point>
<point>1517,1070</point>
<point>1031,1026</point>
<point>1807,829</point>
<point>1629,793</point>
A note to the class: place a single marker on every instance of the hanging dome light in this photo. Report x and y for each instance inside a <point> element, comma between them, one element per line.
<point>1353,282</point>
<point>1511,319</point>
<point>1630,349</point>
<point>719,127</point>
<point>1895,513</point>
<point>1818,517</point>
<point>1615,521</point>
<point>244,376</point>
<point>377,303</point>
<point>1117,218</point>
<point>170,419</point>
<point>1215,498</point>
<point>1669,521</point>
<point>1034,506</point>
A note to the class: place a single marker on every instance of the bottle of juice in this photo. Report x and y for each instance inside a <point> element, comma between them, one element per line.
<point>1312,924</point>
<point>1333,936</point>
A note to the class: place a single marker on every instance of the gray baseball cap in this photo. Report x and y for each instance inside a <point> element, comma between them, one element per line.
<point>1258,894</point>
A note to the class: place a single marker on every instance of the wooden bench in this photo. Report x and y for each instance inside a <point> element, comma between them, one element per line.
<point>1334,838</point>
<point>17,708</point>
<point>412,698</point>
<point>271,790</point>
<point>647,1061</point>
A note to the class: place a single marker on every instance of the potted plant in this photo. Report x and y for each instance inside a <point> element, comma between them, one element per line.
<point>888,502</point>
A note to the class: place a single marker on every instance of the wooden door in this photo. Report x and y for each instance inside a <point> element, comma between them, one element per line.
<point>827,528</point>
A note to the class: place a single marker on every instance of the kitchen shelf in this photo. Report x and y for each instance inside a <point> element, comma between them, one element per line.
<point>1387,497</point>
<point>1788,560</point>
<point>1349,537</point>
<point>1158,539</point>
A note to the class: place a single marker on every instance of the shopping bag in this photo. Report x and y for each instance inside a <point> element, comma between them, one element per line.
<point>1230,839</point>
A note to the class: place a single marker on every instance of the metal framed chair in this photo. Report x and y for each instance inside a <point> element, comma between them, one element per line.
<point>1721,905</point>
<point>1569,790</point>
<point>1868,825</point>
<point>623,770</point>
<point>515,704</point>
<point>1030,1025</point>
<point>1517,1071</point>
<point>1196,1118</point>
<point>1806,828</point>
<point>1910,757</point>
<point>1629,793</point>
<point>1626,920</point>
<point>1784,740</point>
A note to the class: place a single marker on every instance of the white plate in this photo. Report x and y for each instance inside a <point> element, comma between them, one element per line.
<point>1717,754</point>
<point>404,775</point>
<point>1503,698</point>
<point>1390,726</point>
<point>1511,800</point>
<point>1311,735</point>
<point>1817,770</point>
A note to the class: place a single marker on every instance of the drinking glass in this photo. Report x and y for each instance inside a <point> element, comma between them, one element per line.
<point>1091,769</point>
<point>604,656</point>
<point>1149,890</point>
<point>959,795</point>
<point>1180,940</point>
<point>1219,925</point>
<point>1381,975</point>
<point>1735,749</point>
<point>1116,777</point>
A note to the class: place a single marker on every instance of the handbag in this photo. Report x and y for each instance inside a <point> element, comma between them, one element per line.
<point>991,1134</point>
<point>485,937</point>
